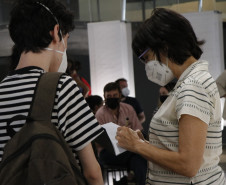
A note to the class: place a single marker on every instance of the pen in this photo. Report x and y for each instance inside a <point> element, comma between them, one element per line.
<point>127,122</point>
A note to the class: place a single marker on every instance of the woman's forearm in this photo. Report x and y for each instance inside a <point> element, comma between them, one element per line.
<point>170,160</point>
<point>186,160</point>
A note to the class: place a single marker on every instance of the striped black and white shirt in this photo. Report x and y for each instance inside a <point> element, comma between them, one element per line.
<point>71,114</point>
<point>195,94</point>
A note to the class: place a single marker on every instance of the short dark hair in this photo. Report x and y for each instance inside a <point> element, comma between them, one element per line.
<point>30,24</point>
<point>94,100</point>
<point>169,33</point>
<point>112,86</point>
<point>120,80</point>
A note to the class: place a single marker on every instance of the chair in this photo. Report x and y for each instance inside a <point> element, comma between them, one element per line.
<point>113,173</point>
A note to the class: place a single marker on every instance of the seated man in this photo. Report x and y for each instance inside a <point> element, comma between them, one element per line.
<point>130,100</point>
<point>123,115</point>
<point>116,111</point>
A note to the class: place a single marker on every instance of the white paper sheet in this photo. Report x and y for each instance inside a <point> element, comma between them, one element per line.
<point>111,129</point>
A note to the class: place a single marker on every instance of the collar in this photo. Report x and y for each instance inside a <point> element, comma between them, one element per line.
<point>27,70</point>
<point>200,65</point>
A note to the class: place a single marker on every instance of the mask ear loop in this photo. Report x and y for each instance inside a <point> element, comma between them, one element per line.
<point>63,40</point>
<point>167,61</point>
<point>50,49</point>
<point>168,69</point>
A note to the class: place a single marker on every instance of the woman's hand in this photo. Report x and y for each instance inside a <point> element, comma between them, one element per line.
<point>141,136</point>
<point>128,139</point>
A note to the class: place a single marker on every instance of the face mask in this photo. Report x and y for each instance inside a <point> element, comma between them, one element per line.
<point>63,65</point>
<point>163,98</point>
<point>112,103</point>
<point>125,91</point>
<point>159,74</point>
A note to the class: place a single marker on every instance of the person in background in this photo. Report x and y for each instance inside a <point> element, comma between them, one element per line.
<point>221,84</point>
<point>116,111</point>
<point>72,70</point>
<point>40,30</point>
<point>130,100</point>
<point>94,102</point>
<point>164,92</point>
<point>185,139</point>
<point>124,115</point>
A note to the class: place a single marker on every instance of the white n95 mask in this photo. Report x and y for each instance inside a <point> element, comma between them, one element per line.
<point>63,64</point>
<point>159,74</point>
<point>125,91</point>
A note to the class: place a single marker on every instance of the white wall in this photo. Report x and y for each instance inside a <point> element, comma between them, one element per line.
<point>110,54</point>
<point>208,26</point>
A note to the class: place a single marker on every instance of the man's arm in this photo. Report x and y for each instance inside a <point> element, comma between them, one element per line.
<point>141,117</point>
<point>135,123</point>
<point>91,168</point>
<point>100,116</point>
<point>139,110</point>
<point>188,159</point>
<point>81,84</point>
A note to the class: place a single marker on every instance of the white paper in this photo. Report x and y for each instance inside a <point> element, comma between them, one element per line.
<point>111,129</point>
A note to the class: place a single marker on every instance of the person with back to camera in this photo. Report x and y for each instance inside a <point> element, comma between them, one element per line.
<point>95,102</point>
<point>40,30</point>
<point>185,134</point>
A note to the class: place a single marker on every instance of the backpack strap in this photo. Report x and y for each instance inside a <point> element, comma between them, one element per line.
<point>43,102</point>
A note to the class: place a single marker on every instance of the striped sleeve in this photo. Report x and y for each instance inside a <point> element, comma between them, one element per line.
<point>73,116</point>
<point>193,100</point>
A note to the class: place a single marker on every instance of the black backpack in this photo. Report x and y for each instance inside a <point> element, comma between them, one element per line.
<point>38,153</point>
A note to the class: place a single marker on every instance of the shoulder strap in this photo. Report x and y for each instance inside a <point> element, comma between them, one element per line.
<point>43,102</point>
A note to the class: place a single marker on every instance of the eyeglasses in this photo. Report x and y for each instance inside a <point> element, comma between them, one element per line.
<point>141,58</point>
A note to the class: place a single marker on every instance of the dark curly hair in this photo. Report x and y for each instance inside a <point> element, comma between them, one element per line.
<point>94,100</point>
<point>30,25</point>
<point>169,33</point>
<point>112,86</point>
